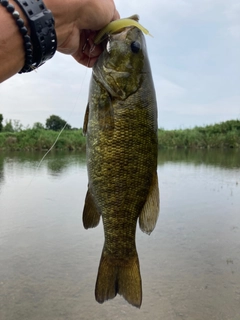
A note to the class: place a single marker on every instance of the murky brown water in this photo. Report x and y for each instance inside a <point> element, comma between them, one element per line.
<point>190,264</point>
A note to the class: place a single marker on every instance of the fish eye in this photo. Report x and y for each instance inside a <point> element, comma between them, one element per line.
<point>135,46</point>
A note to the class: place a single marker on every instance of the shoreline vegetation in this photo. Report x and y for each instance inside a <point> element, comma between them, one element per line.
<point>218,136</point>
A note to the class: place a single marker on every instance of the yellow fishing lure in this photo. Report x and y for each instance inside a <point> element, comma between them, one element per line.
<point>118,25</point>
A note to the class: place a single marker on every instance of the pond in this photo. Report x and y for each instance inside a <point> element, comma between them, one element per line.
<point>190,264</point>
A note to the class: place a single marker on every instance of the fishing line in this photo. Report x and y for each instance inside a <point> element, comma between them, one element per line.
<point>91,50</point>
<point>69,116</point>
<point>73,109</point>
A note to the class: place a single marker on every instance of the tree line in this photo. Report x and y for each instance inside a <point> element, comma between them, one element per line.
<point>54,123</point>
<point>15,137</point>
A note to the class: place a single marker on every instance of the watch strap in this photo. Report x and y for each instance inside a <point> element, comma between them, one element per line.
<point>43,34</point>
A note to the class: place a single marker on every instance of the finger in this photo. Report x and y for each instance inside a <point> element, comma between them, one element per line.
<point>116,15</point>
<point>88,52</point>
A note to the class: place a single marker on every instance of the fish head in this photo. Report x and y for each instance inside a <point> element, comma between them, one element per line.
<point>123,63</point>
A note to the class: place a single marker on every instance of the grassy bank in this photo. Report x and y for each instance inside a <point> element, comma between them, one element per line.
<point>40,139</point>
<point>222,135</point>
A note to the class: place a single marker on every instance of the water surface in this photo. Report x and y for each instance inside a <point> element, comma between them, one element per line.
<point>190,264</point>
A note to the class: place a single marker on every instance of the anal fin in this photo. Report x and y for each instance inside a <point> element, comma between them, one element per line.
<point>149,214</point>
<point>91,215</point>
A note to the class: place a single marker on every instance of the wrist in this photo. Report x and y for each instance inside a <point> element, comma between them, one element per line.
<point>43,36</point>
<point>12,39</point>
<point>63,18</point>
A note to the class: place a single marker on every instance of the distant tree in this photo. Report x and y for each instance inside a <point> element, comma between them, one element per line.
<point>8,126</point>
<point>38,125</point>
<point>12,126</point>
<point>17,126</point>
<point>1,120</point>
<point>56,123</point>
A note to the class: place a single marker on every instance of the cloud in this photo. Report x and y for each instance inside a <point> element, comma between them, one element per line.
<point>58,87</point>
<point>168,94</point>
<point>195,64</point>
<point>232,15</point>
<point>228,108</point>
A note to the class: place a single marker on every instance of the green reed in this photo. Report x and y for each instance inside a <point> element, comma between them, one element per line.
<point>221,135</point>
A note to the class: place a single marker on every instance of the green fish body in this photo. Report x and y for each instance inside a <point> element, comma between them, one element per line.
<point>121,128</point>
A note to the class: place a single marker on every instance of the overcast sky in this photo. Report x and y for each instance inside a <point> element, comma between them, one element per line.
<point>195,59</point>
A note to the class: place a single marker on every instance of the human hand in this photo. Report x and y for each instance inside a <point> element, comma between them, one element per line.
<point>77,23</point>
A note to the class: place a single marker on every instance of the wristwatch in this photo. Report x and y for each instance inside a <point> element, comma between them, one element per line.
<point>43,35</point>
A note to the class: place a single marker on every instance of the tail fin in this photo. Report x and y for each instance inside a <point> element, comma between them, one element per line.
<point>119,276</point>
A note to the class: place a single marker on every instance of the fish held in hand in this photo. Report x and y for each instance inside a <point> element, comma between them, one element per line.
<point>121,128</point>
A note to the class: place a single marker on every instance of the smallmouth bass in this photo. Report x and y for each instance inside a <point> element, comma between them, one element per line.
<point>121,128</point>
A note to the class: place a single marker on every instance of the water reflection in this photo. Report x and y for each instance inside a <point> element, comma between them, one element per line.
<point>1,170</point>
<point>59,161</point>
<point>35,157</point>
<point>225,158</point>
<point>190,264</point>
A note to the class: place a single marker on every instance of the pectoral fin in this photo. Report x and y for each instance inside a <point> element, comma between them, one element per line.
<point>149,215</point>
<point>105,112</point>
<point>85,123</point>
<point>91,215</point>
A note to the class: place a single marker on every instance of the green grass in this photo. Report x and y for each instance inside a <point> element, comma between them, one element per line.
<point>40,139</point>
<point>222,135</point>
